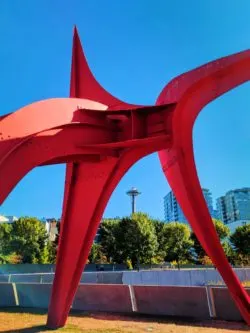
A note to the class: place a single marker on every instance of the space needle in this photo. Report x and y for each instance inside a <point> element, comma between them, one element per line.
<point>133,193</point>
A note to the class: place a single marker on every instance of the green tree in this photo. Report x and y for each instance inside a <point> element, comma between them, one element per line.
<point>240,240</point>
<point>5,238</point>
<point>96,255</point>
<point>136,239</point>
<point>131,239</point>
<point>159,231</point>
<point>159,228</point>
<point>29,240</point>
<point>50,252</point>
<point>229,251</point>
<point>222,231</point>
<point>11,258</point>
<point>177,244</point>
<point>108,239</point>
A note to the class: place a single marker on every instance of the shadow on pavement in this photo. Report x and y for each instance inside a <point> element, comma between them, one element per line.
<point>181,321</point>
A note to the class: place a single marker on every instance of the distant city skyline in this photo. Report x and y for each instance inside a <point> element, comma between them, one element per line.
<point>173,211</point>
<point>233,206</point>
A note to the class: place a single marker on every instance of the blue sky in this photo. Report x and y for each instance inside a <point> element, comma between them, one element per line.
<point>134,48</point>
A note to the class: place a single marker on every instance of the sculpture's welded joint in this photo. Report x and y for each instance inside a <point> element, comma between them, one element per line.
<point>126,126</point>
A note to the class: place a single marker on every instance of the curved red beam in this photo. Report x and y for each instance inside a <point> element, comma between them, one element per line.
<point>100,138</point>
<point>192,91</point>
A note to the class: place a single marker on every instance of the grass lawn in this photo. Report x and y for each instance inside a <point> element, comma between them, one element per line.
<point>12,320</point>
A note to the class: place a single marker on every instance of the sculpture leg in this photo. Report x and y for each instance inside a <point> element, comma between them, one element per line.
<point>87,191</point>
<point>83,208</point>
<point>179,168</point>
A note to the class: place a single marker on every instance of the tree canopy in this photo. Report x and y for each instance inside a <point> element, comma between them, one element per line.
<point>134,240</point>
<point>222,231</point>
<point>177,242</point>
<point>131,238</point>
<point>29,240</point>
<point>241,239</point>
<point>5,237</point>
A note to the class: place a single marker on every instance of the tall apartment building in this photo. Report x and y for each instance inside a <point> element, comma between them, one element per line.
<point>173,212</point>
<point>221,209</point>
<point>234,206</point>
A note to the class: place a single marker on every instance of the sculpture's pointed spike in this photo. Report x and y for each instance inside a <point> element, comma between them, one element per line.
<point>83,83</point>
<point>75,83</point>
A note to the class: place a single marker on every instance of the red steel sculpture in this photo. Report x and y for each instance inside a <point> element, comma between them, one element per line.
<point>100,137</point>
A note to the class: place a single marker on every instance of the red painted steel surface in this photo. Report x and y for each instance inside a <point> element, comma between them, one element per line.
<point>100,138</point>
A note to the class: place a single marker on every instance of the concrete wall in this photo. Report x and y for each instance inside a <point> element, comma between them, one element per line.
<point>4,278</point>
<point>190,302</point>
<point>87,277</point>
<point>179,277</point>
<point>7,295</point>
<point>33,295</point>
<point>172,301</point>
<point>107,298</point>
<point>48,268</point>
<point>149,278</point>
<point>26,268</point>
<point>102,277</point>
<point>109,277</point>
<point>25,278</point>
<point>225,307</point>
<point>47,278</point>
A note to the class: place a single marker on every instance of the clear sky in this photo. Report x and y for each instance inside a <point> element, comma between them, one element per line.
<point>134,48</point>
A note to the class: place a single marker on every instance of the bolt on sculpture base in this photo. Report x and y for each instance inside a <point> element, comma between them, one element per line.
<point>100,138</point>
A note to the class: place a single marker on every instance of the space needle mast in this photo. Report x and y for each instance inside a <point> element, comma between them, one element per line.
<point>133,193</point>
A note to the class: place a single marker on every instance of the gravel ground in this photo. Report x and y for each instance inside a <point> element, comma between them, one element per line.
<point>33,321</point>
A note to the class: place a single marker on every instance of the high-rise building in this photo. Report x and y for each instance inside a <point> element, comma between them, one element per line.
<point>221,209</point>
<point>234,206</point>
<point>173,211</point>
